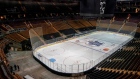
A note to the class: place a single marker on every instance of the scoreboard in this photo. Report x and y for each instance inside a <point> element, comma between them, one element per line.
<point>97,8</point>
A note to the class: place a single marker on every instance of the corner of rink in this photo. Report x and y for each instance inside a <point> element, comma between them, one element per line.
<point>89,49</point>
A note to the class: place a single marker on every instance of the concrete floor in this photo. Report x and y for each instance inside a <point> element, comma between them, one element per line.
<point>29,66</point>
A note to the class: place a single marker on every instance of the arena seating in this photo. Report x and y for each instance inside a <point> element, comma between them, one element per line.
<point>15,25</point>
<point>123,64</point>
<point>60,25</point>
<point>63,27</point>
<point>124,61</point>
<point>92,22</point>
<point>101,74</point>
<point>4,69</point>
<point>85,23</point>
<point>81,25</point>
<point>75,24</point>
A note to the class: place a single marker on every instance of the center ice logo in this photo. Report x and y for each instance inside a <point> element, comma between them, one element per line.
<point>96,43</point>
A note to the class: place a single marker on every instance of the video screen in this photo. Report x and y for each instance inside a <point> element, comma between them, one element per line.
<point>97,8</point>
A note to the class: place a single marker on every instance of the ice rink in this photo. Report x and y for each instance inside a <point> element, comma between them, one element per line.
<point>79,54</point>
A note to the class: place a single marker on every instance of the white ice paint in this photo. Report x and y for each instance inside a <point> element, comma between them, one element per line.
<point>74,56</point>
